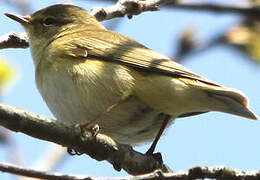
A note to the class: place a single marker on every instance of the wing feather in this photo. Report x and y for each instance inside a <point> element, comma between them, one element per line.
<point>110,46</point>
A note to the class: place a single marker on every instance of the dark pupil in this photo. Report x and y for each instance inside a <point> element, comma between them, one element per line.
<point>49,21</point>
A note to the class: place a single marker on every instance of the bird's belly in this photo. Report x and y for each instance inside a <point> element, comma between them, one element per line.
<point>131,122</point>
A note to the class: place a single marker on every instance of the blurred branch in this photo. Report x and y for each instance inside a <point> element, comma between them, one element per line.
<point>219,173</point>
<point>50,159</point>
<point>199,48</point>
<point>243,9</point>
<point>22,171</point>
<point>14,40</point>
<point>14,151</point>
<point>99,147</point>
<point>47,162</point>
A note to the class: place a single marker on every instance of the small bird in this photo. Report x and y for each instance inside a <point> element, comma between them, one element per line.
<point>88,74</point>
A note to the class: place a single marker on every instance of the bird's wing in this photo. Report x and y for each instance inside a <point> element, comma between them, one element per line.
<point>110,46</point>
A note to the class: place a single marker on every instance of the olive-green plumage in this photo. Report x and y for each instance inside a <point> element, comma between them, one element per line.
<point>82,69</point>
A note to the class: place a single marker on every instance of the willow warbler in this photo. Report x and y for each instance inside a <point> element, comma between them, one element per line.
<point>88,74</point>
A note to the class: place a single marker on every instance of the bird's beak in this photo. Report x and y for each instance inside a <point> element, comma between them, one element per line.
<point>23,20</point>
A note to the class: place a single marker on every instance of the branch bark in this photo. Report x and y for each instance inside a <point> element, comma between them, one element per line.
<point>22,171</point>
<point>99,147</point>
<point>127,7</point>
<point>14,40</point>
<point>220,173</point>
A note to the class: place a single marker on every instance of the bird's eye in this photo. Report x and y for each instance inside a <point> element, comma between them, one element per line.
<point>49,22</point>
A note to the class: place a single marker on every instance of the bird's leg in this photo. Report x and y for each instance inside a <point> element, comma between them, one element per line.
<point>93,130</point>
<point>110,108</point>
<point>159,134</point>
<point>93,127</point>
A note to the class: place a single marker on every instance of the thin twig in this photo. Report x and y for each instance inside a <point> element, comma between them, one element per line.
<point>201,47</point>
<point>220,173</point>
<point>22,171</point>
<point>241,9</point>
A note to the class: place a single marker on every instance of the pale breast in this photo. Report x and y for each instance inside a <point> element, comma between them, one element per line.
<point>80,92</point>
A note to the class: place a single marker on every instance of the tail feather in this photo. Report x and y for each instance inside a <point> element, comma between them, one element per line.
<point>234,102</point>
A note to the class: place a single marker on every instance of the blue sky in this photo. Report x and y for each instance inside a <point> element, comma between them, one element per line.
<point>206,140</point>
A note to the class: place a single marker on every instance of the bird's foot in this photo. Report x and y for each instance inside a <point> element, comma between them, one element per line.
<point>93,129</point>
<point>156,156</point>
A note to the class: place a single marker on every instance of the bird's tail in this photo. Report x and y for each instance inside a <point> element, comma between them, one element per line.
<point>232,101</point>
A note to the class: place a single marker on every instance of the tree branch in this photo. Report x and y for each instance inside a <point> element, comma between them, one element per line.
<point>126,7</point>
<point>14,40</point>
<point>242,9</point>
<point>99,147</point>
<point>120,9</point>
<point>22,171</point>
<point>219,173</point>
